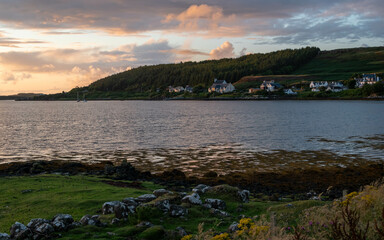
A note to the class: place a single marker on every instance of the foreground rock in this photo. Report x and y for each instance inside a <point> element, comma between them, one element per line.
<point>192,199</point>
<point>120,209</point>
<point>216,203</point>
<point>4,236</point>
<point>62,222</point>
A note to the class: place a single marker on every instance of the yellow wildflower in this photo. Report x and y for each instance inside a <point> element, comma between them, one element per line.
<point>223,236</point>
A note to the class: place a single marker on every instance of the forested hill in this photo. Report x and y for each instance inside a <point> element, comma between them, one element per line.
<point>146,78</point>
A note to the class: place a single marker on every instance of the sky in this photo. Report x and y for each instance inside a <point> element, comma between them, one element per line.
<point>50,46</point>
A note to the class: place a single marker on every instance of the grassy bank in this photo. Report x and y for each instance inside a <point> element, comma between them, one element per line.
<point>44,196</point>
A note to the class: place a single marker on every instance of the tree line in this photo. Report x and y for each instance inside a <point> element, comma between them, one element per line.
<point>158,77</point>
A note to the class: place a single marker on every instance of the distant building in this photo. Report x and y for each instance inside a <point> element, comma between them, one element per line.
<point>367,78</point>
<point>188,89</point>
<point>221,86</point>
<point>328,86</point>
<point>176,89</point>
<point>253,90</point>
<point>289,92</point>
<point>270,86</point>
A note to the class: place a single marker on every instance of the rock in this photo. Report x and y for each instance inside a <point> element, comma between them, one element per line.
<point>145,225</point>
<point>233,227</point>
<point>161,192</point>
<point>216,203</point>
<point>75,225</point>
<point>45,229</point>
<point>181,232</point>
<point>194,198</point>
<point>20,231</point>
<point>130,201</point>
<point>36,222</point>
<point>4,236</point>
<point>207,205</point>
<point>244,195</point>
<point>146,198</point>
<point>126,171</point>
<point>201,188</point>
<point>120,209</point>
<point>115,221</point>
<point>90,220</point>
<point>219,213</point>
<point>177,211</point>
<point>163,205</point>
<point>62,222</point>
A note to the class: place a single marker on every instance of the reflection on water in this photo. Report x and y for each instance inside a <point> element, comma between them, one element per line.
<point>194,135</point>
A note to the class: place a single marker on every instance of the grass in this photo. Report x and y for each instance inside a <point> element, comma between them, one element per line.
<point>341,64</point>
<point>24,198</point>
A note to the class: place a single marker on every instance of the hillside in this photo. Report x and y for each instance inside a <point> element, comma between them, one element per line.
<point>341,64</point>
<point>150,78</point>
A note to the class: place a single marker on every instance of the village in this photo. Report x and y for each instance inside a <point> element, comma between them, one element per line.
<point>222,86</point>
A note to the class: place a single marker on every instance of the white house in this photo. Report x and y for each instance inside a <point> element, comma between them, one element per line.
<point>317,85</point>
<point>188,89</point>
<point>289,92</point>
<point>221,86</point>
<point>270,86</point>
<point>176,89</point>
<point>370,78</point>
<point>329,86</point>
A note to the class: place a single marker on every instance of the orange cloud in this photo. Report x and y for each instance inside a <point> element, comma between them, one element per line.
<point>226,50</point>
<point>205,20</point>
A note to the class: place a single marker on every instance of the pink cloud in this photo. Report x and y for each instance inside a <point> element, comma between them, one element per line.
<point>226,50</point>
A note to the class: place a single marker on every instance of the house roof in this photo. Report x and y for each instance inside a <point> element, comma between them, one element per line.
<point>219,82</point>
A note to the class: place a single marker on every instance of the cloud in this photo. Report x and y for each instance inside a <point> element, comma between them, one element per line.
<point>209,18</point>
<point>8,77</point>
<point>226,50</point>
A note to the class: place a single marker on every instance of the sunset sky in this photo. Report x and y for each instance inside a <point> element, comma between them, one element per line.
<point>49,46</point>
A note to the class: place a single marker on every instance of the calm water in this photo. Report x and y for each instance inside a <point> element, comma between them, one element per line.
<point>154,130</point>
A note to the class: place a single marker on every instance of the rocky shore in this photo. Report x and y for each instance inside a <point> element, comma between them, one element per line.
<point>331,181</point>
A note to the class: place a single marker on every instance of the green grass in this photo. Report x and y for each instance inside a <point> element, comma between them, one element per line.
<point>53,194</point>
<point>49,195</point>
<point>341,64</point>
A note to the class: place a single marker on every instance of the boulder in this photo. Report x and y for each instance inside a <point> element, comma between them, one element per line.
<point>36,222</point>
<point>194,198</point>
<point>201,188</point>
<point>163,205</point>
<point>130,201</point>
<point>45,229</point>
<point>20,231</point>
<point>233,227</point>
<point>244,195</point>
<point>177,211</point>
<point>216,203</point>
<point>120,209</point>
<point>207,205</point>
<point>62,222</point>
<point>4,236</point>
<point>219,213</point>
<point>90,220</point>
<point>146,198</point>
<point>115,221</point>
<point>160,192</point>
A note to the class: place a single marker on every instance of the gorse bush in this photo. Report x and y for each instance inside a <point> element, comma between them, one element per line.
<point>357,216</point>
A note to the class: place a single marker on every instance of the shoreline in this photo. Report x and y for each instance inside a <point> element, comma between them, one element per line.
<point>381,98</point>
<point>296,181</point>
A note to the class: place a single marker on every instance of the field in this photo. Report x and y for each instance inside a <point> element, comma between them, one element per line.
<point>341,64</point>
